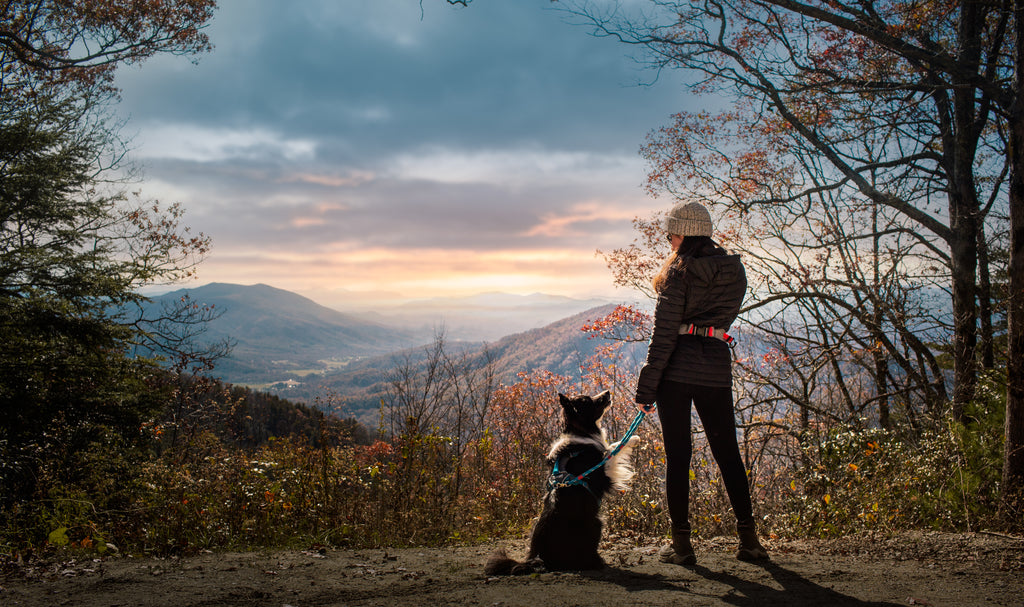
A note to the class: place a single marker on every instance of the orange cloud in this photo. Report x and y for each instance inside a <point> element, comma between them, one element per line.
<point>416,273</point>
<point>330,181</point>
<point>561,224</point>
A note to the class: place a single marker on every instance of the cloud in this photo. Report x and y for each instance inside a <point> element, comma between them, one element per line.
<point>205,144</point>
<point>579,218</point>
<point>354,178</point>
<point>497,201</point>
<point>414,273</point>
<point>394,146</point>
<point>371,78</point>
<point>507,166</point>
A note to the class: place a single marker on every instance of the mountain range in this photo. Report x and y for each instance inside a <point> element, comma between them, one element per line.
<point>288,344</point>
<point>481,317</point>
<point>561,348</point>
<point>277,332</point>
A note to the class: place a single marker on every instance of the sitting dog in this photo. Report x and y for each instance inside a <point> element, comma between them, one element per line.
<point>568,531</point>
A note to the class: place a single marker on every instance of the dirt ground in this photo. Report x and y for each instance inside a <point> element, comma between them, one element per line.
<point>910,569</point>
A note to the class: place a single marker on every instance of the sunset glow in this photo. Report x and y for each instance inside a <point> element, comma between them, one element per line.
<point>439,152</point>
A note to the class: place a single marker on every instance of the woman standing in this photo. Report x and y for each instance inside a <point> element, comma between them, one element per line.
<point>689,361</point>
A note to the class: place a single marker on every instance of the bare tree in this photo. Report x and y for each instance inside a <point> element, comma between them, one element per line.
<point>823,78</point>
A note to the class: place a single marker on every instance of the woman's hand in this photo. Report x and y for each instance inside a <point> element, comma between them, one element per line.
<point>647,408</point>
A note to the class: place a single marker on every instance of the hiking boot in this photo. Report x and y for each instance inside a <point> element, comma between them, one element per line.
<point>750,547</point>
<point>680,551</point>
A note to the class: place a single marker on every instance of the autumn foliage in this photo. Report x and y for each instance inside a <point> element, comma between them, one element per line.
<point>828,175</point>
<point>317,482</point>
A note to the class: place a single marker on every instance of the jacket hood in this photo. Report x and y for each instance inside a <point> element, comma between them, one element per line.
<point>708,270</point>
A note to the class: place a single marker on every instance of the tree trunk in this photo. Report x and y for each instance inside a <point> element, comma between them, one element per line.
<point>1013,455</point>
<point>986,341</point>
<point>881,363</point>
<point>965,335</point>
<point>964,210</point>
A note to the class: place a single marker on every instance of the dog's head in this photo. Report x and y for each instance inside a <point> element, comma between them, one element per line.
<point>582,414</point>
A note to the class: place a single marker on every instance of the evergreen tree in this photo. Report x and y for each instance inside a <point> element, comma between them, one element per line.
<point>75,248</point>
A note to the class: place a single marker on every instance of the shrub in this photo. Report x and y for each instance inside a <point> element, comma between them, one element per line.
<point>426,488</point>
<point>945,478</point>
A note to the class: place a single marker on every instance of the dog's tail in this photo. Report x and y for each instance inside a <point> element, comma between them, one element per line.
<point>500,563</point>
<point>620,467</point>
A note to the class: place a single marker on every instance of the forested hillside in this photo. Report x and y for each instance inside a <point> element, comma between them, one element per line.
<point>276,334</point>
<point>359,388</point>
<point>243,418</point>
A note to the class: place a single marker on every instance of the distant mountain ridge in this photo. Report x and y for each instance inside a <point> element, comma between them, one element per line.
<point>482,317</point>
<point>282,336</point>
<point>561,347</point>
<point>277,331</point>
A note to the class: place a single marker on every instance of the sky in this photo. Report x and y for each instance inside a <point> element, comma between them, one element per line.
<point>363,153</point>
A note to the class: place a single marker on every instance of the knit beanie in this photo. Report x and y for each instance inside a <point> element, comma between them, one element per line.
<point>688,219</point>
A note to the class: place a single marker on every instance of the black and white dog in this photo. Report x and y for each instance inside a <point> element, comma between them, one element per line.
<point>568,531</point>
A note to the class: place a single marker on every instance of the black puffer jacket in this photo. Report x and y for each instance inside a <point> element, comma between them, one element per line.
<point>706,292</point>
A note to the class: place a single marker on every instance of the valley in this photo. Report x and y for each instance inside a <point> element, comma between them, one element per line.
<point>292,347</point>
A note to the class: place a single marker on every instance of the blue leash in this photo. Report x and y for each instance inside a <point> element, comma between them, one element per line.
<point>567,480</point>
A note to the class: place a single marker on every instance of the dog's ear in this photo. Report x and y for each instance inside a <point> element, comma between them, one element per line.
<point>601,402</point>
<point>571,407</point>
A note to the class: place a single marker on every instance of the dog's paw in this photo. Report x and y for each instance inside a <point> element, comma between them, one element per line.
<point>534,565</point>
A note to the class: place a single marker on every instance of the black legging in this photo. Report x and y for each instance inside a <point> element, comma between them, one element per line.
<point>714,406</point>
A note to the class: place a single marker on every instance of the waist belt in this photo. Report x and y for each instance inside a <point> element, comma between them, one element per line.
<point>708,332</point>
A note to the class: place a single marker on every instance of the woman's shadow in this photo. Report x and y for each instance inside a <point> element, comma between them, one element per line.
<point>795,590</point>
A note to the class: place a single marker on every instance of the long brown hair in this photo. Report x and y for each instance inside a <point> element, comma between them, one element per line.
<point>690,248</point>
